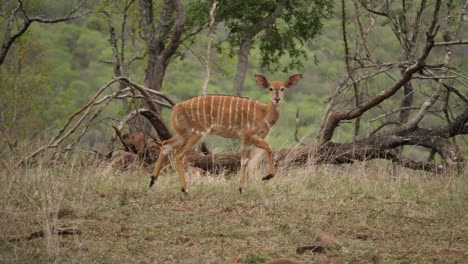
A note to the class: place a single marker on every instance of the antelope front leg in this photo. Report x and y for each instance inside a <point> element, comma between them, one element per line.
<point>245,158</point>
<point>166,146</point>
<point>179,156</point>
<point>260,143</point>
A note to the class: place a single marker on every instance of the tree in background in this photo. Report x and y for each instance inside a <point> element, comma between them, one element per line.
<point>280,27</point>
<point>23,67</point>
<point>163,34</point>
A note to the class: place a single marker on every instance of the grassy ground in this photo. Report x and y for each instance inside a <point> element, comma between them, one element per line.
<point>411,218</point>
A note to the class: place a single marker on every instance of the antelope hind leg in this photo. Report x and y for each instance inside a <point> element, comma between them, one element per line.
<point>166,147</point>
<point>245,158</point>
<point>260,143</point>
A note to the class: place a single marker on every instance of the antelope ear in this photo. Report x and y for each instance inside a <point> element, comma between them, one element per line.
<point>262,81</point>
<point>292,80</point>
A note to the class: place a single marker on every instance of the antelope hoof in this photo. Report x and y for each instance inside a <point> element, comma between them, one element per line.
<point>153,179</point>
<point>241,190</point>
<point>268,177</point>
<point>184,190</point>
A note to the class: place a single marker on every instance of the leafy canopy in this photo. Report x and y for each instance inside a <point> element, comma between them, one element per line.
<point>300,21</point>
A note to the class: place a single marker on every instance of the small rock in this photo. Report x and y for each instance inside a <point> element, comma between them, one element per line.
<point>326,240</point>
<point>362,236</point>
<point>150,238</point>
<point>322,241</point>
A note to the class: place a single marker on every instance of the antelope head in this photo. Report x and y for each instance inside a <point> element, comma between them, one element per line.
<point>276,88</point>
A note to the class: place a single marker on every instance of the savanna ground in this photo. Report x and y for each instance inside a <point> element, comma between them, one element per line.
<point>378,216</point>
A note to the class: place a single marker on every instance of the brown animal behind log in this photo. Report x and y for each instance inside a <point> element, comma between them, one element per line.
<point>146,148</point>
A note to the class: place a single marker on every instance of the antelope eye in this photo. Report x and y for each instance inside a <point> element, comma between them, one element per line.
<point>282,89</point>
<point>271,89</point>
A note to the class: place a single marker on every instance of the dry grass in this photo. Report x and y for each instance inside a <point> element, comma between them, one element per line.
<point>376,217</point>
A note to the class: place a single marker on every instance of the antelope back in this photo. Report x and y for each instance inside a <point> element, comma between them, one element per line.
<point>223,115</point>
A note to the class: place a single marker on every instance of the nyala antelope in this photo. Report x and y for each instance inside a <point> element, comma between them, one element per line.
<point>226,116</point>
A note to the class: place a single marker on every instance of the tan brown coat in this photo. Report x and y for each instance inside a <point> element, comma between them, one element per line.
<point>229,117</point>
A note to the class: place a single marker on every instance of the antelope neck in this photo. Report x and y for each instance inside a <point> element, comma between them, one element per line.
<point>273,113</point>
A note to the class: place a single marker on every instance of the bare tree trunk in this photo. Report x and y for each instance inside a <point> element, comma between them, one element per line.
<point>162,42</point>
<point>406,103</point>
<point>246,41</point>
<point>357,122</point>
<point>242,65</point>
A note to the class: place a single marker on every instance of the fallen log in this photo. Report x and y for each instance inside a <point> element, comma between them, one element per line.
<point>329,153</point>
<point>379,146</point>
<point>230,162</point>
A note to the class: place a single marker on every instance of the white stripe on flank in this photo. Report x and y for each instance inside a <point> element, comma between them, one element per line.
<point>230,111</point>
<point>237,112</point>
<point>221,107</point>
<point>198,108</point>
<point>191,108</point>
<point>204,112</point>
<point>211,110</point>
<point>248,113</point>
<point>186,110</point>
<point>255,112</point>
<point>242,112</point>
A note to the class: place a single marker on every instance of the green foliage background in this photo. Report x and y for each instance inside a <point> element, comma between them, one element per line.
<point>53,70</point>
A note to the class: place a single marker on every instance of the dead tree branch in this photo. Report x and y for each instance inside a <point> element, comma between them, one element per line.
<point>208,49</point>
<point>296,130</point>
<point>84,116</point>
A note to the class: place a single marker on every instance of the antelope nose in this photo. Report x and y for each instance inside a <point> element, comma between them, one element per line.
<point>277,99</point>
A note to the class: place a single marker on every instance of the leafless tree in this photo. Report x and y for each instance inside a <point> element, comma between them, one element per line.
<point>78,123</point>
<point>419,68</point>
<point>208,49</point>
<point>120,39</point>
